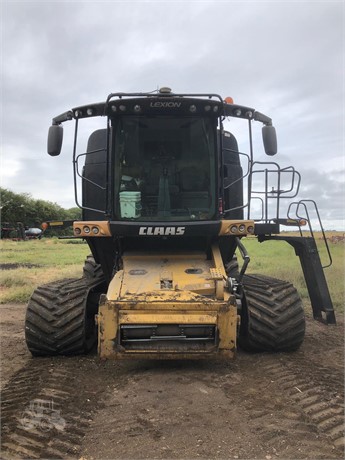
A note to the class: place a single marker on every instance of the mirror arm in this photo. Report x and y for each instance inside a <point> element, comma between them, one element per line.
<point>258,116</point>
<point>63,117</point>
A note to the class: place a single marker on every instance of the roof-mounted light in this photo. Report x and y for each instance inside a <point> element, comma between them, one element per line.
<point>165,90</point>
<point>229,100</point>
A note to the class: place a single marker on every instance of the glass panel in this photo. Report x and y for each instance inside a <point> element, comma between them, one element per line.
<point>165,168</point>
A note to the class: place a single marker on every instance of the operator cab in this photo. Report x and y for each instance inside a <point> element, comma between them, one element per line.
<point>165,168</point>
<point>161,158</point>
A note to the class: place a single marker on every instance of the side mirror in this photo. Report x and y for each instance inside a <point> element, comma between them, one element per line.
<point>55,136</point>
<point>269,138</point>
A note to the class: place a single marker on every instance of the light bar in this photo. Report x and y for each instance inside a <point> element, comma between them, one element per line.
<point>91,229</point>
<point>237,227</point>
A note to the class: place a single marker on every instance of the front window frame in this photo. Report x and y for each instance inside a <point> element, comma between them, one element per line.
<point>213,181</point>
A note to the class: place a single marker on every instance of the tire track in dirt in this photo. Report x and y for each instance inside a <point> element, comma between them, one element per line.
<point>48,405</point>
<point>205,410</point>
<point>261,405</point>
<point>320,394</point>
<point>281,421</point>
<point>312,380</point>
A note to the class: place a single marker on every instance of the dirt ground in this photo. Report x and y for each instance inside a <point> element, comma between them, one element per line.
<point>259,406</point>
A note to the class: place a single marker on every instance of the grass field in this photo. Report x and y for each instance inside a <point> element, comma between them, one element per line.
<point>27,264</point>
<point>278,259</point>
<point>31,263</point>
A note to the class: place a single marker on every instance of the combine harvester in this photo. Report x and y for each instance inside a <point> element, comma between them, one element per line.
<point>168,200</point>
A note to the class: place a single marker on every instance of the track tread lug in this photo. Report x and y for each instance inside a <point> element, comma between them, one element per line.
<point>56,320</point>
<point>275,318</point>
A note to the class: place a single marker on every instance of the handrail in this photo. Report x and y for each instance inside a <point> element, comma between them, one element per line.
<point>273,174</point>
<point>304,205</point>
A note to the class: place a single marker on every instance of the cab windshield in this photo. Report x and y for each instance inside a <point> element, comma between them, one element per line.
<point>165,168</point>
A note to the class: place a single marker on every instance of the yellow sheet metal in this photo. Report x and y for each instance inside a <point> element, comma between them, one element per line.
<point>182,288</point>
<point>148,273</point>
<point>114,314</point>
<point>152,317</point>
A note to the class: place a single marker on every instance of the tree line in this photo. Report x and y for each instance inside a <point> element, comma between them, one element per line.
<point>21,207</point>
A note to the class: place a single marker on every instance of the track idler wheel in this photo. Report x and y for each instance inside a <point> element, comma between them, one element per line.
<point>60,317</point>
<point>272,315</point>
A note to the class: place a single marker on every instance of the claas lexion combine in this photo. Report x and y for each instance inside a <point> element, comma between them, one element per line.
<point>167,199</point>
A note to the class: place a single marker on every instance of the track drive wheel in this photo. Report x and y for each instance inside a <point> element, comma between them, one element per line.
<point>60,317</point>
<point>272,315</point>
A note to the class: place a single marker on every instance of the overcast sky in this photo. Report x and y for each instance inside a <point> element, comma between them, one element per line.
<point>285,59</point>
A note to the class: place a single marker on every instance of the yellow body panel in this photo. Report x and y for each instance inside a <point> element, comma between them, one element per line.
<point>163,317</point>
<point>185,292</point>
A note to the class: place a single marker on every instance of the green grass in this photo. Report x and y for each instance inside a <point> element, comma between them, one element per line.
<point>56,259</point>
<point>278,259</point>
<point>50,260</point>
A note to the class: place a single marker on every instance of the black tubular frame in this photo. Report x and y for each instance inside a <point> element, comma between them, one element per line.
<point>158,94</point>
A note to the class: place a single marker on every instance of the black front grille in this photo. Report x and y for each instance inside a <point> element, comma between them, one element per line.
<point>168,337</point>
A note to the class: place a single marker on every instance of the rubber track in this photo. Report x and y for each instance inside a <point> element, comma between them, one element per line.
<point>92,270</point>
<point>275,318</point>
<point>231,268</point>
<point>56,321</point>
